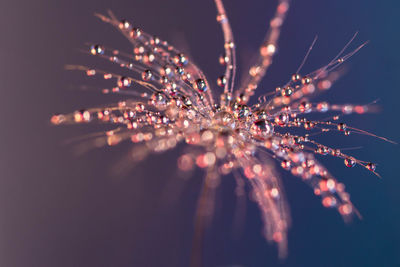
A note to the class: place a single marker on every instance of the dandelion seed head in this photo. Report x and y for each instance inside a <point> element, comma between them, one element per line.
<point>169,100</point>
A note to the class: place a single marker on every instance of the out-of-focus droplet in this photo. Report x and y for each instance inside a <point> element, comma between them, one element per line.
<point>97,50</point>
<point>124,25</point>
<point>221,81</point>
<point>285,164</point>
<point>135,33</point>
<point>223,59</point>
<point>159,101</point>
<point>124,82</point>
<point>341,127</point>
<point>180,60</point>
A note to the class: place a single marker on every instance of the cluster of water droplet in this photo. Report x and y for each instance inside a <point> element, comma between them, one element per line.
<point>171,101</point>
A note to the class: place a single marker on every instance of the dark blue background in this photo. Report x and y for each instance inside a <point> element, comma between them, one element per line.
<point>61,210</point>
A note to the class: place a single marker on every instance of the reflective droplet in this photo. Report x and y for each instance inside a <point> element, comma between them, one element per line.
<point>155,41</point>
<point>296,77</point>
<point>97,50</point>
<point>371,166</point>
<point>308,125</point>
<point>305,107</point>
<point>282,119</point>
<point>306,80</point>
<point>262,128</point>
<point>124,25</point>
<point>179,71</point>
<point>135,33</point>
<point>180,60</point>
<point>147,75</point>
<point>322,150</point>
<point>221,81</point>
<point>124,82</point>
<point>287,91</point>
<point>201,85</point>
<point>285,164</point>
<point>159,101</point>
<point>349,162</point>
<point>223,59</point>
<point>341,127</point>
<point>242,111</point>
<point>323,107</point>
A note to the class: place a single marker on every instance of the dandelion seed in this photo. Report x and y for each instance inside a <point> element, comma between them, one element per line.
<point>171,101</point>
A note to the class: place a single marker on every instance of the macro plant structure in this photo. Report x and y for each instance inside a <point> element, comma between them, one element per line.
<point>168,100</point>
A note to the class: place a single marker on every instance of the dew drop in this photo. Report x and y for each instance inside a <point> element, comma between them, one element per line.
<point>223,59</point>
<point>135,33</point>
<point>285,164</point>
<point>147,75</point>
<point>262,128</point>
<point>201,85</point>
<point>124,82</point>
<point>371,166</point>
<point>296,77</point>
<point>282,119</point>
<point>124,25</point>
<point>97,50</point>
<point>341,127</point>
<point>288,91</point>
<point>306,80</point>
<point>349,162</point>
<point>159,101</point>
<point>180,60</point>
<point>221,81</point>
<point>305,107</point>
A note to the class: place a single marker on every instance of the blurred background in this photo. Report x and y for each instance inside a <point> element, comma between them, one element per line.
<point>60,209</point>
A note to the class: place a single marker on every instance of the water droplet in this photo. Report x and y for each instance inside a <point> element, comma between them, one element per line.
<point>180,60</point>
<point>323,107</point>
<point>296,77</point>
<point>221,81</point>
<point>285,164</point>
<point>135,33</point>
<point>124,82</point>
<point>147,75</point>
<point>341,127</point>
<point>308,125</point>
<point>305,107</point>
<point>179,70</point>
<point>371,166</point>
<point>262,128</point>
<point>124,25</point>
<point>322,150</point>
<point>201,85</point>
<point>287,91</point>
<point>97,50</point>
<point>159,101</point>
<point>282,119</point>
<point>306,80</point>
<point>223,59</point>
<point>349,162</point>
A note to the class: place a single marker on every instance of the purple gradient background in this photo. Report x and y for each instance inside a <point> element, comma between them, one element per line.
<point>57,209</point>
